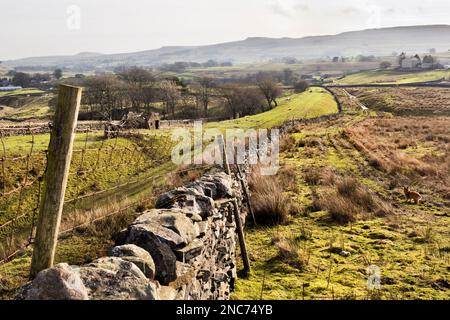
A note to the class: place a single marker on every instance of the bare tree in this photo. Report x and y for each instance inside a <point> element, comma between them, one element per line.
<point>202,90</point>
<point>241,100</point>
<point>58,74</point>
<point>269,88</point>
<point>385,65</point>
<point>288,76</point>
<point>170,95</point>
<point>104,94</point>
<point>137,79</point>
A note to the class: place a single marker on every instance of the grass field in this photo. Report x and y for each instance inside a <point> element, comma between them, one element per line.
<point>310,104</point>
<point>20,92</point>
<point>308,67</point>
<point>104,164</point>
<point>94,238</point>
<point>356,162</point>
<point>408,243</point>
<point>31,108</point>
<point>392,77</point>
<point>418,101</point>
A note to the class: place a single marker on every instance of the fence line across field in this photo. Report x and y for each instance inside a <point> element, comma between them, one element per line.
<point>153,178</point>
<point>117,186</point>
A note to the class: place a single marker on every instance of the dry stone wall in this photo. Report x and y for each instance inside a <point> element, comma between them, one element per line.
<point>185,249</point>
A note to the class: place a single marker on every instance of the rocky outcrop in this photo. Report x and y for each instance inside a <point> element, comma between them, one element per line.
<point>183,249</point>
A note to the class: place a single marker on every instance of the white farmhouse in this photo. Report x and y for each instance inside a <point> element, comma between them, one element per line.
<point>411,63</point>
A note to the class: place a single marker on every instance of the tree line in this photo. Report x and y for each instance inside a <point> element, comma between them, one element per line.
<point>136,89</point>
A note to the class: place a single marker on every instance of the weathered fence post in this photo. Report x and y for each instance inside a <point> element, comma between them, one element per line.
<point>237,216</point>
<point>246,193</point>
<point>58,163</point>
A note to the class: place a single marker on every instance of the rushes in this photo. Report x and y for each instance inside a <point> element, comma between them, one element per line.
<point>345,198</point>
<point>271,204</point>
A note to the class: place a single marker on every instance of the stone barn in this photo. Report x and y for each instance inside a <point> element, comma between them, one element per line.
<point>154,121</point>
<point>132,121</point>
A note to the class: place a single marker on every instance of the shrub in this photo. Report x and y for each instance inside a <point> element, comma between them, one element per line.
<point>312,176</point>
<point>328,176</point>
<point>287,178</point>
<point>301,86</point>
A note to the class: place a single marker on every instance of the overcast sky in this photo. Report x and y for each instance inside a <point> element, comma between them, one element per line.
<point>51,27</point>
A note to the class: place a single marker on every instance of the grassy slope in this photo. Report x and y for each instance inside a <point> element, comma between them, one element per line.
<point>20,92</point>
<point>410,246</point>
<point>104,168</point>
<point>393,77</point>
<point>309,104</point>
<point>36,108</point>
<point>83,248</point>
<point>30,107</point>
<point>405,100</point>
<point>309,67</point>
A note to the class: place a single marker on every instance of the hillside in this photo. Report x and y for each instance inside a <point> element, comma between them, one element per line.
<point>368,42</point>
<point>392,77</point>
<point>310,104</point>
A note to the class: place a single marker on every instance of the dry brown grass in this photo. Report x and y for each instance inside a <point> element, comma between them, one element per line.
<point>312,176</point>
<point>410,149</point>
<point>347,198</point>
<point>290,251</point>
<point>271,204</point>
<point>287,143</point>
<point>326,176</point>
<point>182,176</point>
<point>287,178</point>
<point>406,101</point>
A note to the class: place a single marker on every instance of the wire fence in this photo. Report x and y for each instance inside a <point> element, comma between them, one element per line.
<point>123,169</point>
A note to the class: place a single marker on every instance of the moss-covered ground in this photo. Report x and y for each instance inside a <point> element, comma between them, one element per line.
<point>409,245</point>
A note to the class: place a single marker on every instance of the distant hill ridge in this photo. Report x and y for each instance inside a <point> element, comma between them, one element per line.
<point>381,41</point>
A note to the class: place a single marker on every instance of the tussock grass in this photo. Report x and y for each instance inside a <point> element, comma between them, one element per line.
<point>287,143</point>
<point>270,203</point>
<point>348,198</point>
<point>290,250</point>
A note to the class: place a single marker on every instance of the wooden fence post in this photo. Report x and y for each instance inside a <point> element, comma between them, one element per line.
<point>58,164</point>
<point>246,193</point>
<point>237,216</point>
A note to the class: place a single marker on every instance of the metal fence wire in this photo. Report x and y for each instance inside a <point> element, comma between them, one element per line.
<point>102,170</point>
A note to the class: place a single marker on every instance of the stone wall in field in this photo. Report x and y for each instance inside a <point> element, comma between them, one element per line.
<point>184,249</point>
<point>292,123</point>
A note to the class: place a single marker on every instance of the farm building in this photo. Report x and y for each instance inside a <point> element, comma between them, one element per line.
<point>133,120</point>
<point>411,63</point>
<point>154,121</point>
<point>415,63</point>
<point>426,65</point>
